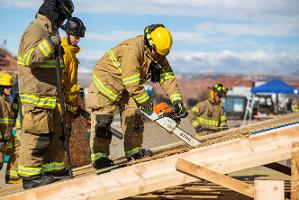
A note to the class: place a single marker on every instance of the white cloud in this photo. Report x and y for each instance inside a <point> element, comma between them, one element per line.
<point>289,27</point>
<point>220,62</point>
<point>21,4</point>
<point>234,62</point>
<point>215,9</point>
<point>256,17</point>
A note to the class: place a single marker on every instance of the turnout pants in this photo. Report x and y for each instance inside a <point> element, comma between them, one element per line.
<point>41,142</point>
<point>103,111</point>
<point>11,175</point>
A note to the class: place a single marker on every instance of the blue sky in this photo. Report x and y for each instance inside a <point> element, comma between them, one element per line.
<point>230,36</point>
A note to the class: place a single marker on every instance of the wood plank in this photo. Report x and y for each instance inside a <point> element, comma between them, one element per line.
<point>220,179</point>
<point>279,167</point>
<point>268,147</point>
<point>295,171</point>
<point>269,189</point>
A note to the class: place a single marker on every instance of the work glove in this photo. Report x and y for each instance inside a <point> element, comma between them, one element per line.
<point>179,109</point>
<point>147,107</point>
<point>7,148</point>
<point>55,40</point>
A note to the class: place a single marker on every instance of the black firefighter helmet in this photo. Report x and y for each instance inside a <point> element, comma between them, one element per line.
<point>74,26</point>
<point>57,10</point>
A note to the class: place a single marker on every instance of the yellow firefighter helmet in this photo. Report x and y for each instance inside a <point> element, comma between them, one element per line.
<point>6,80</point>
<point>158,38</point>
<point>218,90</point>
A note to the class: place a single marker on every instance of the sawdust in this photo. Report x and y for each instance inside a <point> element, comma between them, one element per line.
<point>223,136</point>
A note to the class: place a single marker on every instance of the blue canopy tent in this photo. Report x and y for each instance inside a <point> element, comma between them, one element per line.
<point>274,86</point>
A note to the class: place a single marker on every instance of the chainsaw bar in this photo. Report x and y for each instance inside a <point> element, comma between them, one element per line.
<point>171,126</point>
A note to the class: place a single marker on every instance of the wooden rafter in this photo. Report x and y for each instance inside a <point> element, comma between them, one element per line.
<point>220,179</point>
<point>279,167</point>
<point>295,171</point>
<point>268,147</point>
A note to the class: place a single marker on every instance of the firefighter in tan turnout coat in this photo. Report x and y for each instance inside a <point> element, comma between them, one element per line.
<point>209,116</point>
<point>41,154</point>
<point>117,84</point>
<point>8,115</point>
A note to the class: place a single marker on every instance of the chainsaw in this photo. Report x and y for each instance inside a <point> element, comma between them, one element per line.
<point>169,122</point>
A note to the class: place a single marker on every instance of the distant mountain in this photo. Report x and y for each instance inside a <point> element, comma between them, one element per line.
<point>8,63</point>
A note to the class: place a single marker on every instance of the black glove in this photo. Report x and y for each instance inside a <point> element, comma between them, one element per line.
<point>180,110</point>
<point>55,40</point>
<point>147,107</point>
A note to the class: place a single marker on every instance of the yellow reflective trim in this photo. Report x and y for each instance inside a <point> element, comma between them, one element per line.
<point>114,60</point>
<point>45,48</point>
<point>12,173</point>
<point>97,156</point>
<point>42,49</point>
<point>195,110</point>
<point>26,57</point>
<point>7,121</point>
<point>195,124</point>
<point>208,122</point>
<point>143,98</point>
<point>29,171</point>
<point>166,76</point>
<point>54,166</point>
<point>131,79</point>
<point>39,101</point>
<point>295,108</point>
<point>72,109</point>
<point>176,96</point>
<point>20,60</point>
<point>223,118</point>
<point>51,64</point>
<point>131,152</point>
<point>104,90</point>
<point>47,45</point>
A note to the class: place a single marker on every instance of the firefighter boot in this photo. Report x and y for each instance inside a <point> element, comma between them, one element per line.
<point>63,174</point>
<point>36,181</point>
<point>103,163</point>
<point>142,153</point>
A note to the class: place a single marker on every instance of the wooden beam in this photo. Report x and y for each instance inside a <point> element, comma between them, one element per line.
<point>268,147</point>
<point>279,167</point>
<point>212,176</point>
<point>295,171</point>
<point>269,189</point>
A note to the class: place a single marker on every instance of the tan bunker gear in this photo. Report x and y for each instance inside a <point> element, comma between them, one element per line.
<point>209,116</point>
<point>7,122</point>
<point>117,85</point>
<point>41,146</point>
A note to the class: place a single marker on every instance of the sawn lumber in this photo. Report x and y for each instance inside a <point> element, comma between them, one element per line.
<point>270,146</point>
